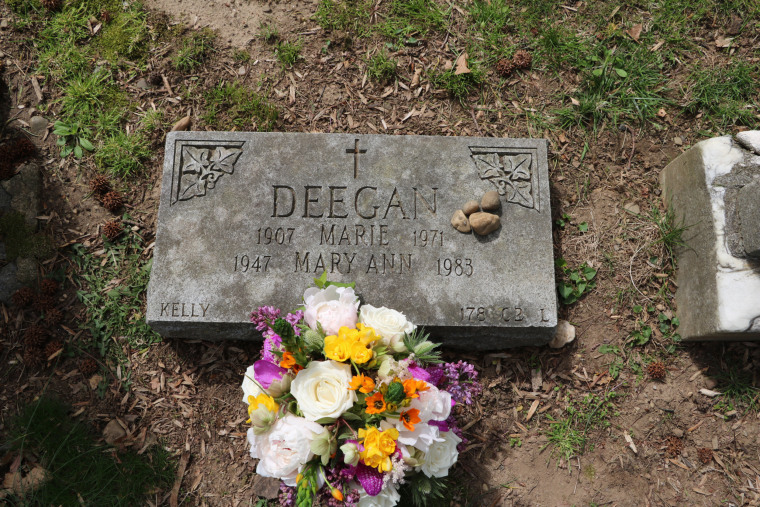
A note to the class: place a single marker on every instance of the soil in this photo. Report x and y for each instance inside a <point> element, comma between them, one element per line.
<point>186,394</point>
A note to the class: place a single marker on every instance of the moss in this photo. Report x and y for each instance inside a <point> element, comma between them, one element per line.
<point>22,241</point>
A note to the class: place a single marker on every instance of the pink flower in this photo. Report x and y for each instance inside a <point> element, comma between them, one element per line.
<point>333,307</point>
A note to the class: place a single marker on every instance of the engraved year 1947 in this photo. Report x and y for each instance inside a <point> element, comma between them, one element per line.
<point>254,263</point>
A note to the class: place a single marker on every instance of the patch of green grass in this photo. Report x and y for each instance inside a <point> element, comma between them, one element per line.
<point>288,53</point>
<point>576,283</point>
<point>561,48</point>
<point>194,51</point>
<point>570,434</point>
<point>81,471</point>
<point>344,15</point>
<point>269,33</point>
<point>727,95</point>
<point>24,7</point>
<point>462,85</point>
<point>125,36</point>
<point>669,233</point>
<point>624,82</point>
<point>381,67</point>
<point>154,120</point>
<point>122,155</point>
<point>115,309</point>
<point>241,106</point>
<point>409,19</point>
<point>739,390</point>
<point>61,44</point>
<point>241,56</point>
<point>489,21</point>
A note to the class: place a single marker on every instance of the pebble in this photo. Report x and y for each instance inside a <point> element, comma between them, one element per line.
<point>459,222</point>
<point>677,432</point>
<point>678,141</point>
<point>38,125</point>
<point>632,207</point>
<point>490,201</point>
<point>241,71</point>
<point>484,223</point>
<point>142,84</point>
<point>710,383</point>
<point>565,334</point>
<point>470,207</point>
<point>4,24</point>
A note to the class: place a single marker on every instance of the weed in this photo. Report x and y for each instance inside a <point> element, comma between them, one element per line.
<point>242,106</point>
<point>489,23</point>
<point>288,53</point>
<point>115,310</point>
<point>726,94</point>
<point>670,234</point>
<point>126,36</point>
<point>409,19</point>
<point>617,364</point>
<point>79,470</point>
<point>72,138</point>
<point>561,48</point>
<point>460,86</point>
<point>195,49</point>
<point>739,390</point>
<point>153,120</point>
<point>381,67</point>
<point>578,282</point>
<point>269,33</point>
<point>122,154</point>
<point>569,434</point>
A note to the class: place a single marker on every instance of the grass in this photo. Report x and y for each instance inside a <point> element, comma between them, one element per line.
<point>382,67</point>
<point>489,22</point>
<point>115,310</point>
<point>194,51</point>
<point>126,36</point>
<point>288,53</point>
<point>669,233</point>
<point>269,33</point>
<point>728,94</point>
<point>241,106</point>
<point>81,471</point>
<point>738,387</point>
<point>569,434</point>
<point>123,154</point>
<point>344,16</point>
<point>408,20</point>
<point>460,86</point>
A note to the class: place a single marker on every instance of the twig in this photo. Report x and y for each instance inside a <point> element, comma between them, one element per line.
<point>178,481</point>
<point>472,112</point>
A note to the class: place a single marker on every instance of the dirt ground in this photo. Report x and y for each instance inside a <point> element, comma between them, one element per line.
<point>186,394</point>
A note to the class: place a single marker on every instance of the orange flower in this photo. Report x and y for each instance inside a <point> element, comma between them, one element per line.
<point>288,361</point>
<point>410,418</point>
<point>362,383</point>
<point>337,494</point>
<point>412,385</point>
<point>376,403</point>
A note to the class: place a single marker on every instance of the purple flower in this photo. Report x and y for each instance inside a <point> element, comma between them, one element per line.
<point>293,319</point>
<point>287,496</point>
<point>263,316</point>
<point>370,479</point>
<point>460,380</point>
<point>265,372</point>
<point>419,373</point>
<point>441,425</point>
<point>272,343</point>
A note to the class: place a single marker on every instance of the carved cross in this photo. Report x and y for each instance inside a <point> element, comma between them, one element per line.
<point>356,151</point>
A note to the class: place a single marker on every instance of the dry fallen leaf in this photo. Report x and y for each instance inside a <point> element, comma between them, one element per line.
<point>183,124</point>
<point>575,102</point>
<point>630,442</point>
<point>662,113</point>
<point>461,64</point>
<point>635,31</point>
<point>723,42</point>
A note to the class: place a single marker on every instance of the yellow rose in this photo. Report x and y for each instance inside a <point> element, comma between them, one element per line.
<point>262,400</point>
<point>337,349</point>
<point>387,441</point>
<point>360,354</point>
<point>366,334</point>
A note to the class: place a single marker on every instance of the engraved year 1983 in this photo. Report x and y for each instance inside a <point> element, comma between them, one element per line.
<point>254,263</point>
<point>455,267</point>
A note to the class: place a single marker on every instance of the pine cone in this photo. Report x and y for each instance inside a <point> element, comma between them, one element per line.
<point>44,302</point>
<point>33,357</point>
<point>522,59</point>
<point>88,366</point>
<point>100,185</point>
<point>656,370</point>
<point>505,67</point>
<point>53,347</point>
<point>112,201</point>
<point>23,297</point>
<point>112,229</point>
<point>705,455</point>
<point>35,337</point>
<point>53,317</point>
<point>48,286</point>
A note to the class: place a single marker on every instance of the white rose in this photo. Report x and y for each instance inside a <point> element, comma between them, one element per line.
<point>390,325</point>
<point>441,455</point>
<point>433,404</point>
<point>423,436</point>
<point>283,450</point>
<point>388,497</point>
<point>333,307</point>
<point>250,388</point>
<point>321,390</point>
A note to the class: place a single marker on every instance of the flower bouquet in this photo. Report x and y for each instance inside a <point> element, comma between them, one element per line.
<point>351,404</point>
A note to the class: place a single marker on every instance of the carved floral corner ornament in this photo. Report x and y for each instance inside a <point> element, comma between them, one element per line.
<point>511,173</point>
<point>202,166</point>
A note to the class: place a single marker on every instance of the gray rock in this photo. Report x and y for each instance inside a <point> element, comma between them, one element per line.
<point>38,125</point>
<point>718,294</point>
<point>470,207</point>
<point>748,209</point>
<point>750,139</point>
<point>483,223</point>
<point>142,84</point>
<point>25,189</point>
<point>490,201</point>
<point>275,210</point>
<point>565,334</point>
<point>459,222</point>
<point>242,70</point>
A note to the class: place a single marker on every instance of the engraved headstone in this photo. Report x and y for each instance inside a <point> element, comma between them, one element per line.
<point>249,219</point>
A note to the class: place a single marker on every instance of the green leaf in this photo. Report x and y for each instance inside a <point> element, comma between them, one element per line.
<point>78,151</point>
<point>575,276</point>
<point>621,72</point>
<point>321,281</point>
<point>597,72</point>
<point>560,263</point>
<point>350,416</point>
<point>87,145</point>
<point>581,288</point>
<point>583,226</point>
<point>565,290</point>
<point>66,151</point>
<point>589,273</point>
<point>326,420</point>
<point>608,349</point>
<point>637,309</point>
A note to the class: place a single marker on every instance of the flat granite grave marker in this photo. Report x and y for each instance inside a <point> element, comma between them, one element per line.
<point>249,219</point>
